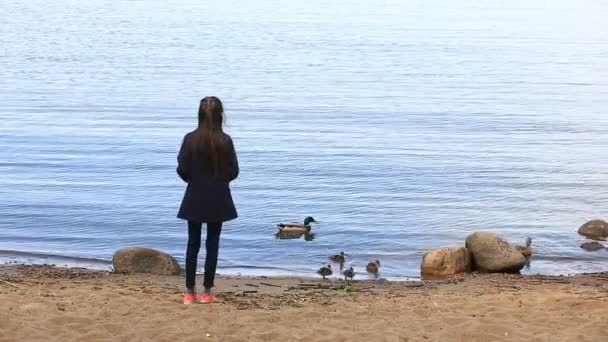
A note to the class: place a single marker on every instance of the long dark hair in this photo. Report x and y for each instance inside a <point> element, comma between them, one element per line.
<point>209,136</point>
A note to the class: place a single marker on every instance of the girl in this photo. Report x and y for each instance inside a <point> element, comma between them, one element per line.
<point>207,162</point>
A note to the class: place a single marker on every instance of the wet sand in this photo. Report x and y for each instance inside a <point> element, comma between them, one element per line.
<point>42,303</point>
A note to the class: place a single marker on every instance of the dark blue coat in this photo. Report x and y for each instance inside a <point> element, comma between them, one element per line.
<point>207,197</point>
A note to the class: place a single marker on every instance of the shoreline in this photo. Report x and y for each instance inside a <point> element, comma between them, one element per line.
<point>106,265</point>
<point>27,258</point>
<point>53,303</point>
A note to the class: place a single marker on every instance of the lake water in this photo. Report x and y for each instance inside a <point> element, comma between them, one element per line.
<point>401,126</point>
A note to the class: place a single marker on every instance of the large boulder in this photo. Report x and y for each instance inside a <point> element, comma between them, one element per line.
<point>491,253</point>
<point>445,262</point>
<point>595,229</point>
<point>145,260</point>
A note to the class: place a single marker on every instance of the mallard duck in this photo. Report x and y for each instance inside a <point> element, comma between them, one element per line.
<point>290,235</point>
<point>287,235</point>
<point>349,273</point>
<point>373,267</point>
<point>294,230</point>
<point>338,258</point>
<point>527,249</point>
<point>325,271</point>
<point>294,227</point>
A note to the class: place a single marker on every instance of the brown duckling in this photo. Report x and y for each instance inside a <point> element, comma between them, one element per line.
<point>373,267</point>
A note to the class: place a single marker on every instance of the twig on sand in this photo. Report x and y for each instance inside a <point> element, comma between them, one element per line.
<point>9,284</point>
<point>312,285</point>
<point>316,286</point>
<point>272,285</point>
<point>515,287</point>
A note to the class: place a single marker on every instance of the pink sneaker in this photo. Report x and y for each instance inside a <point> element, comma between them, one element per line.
<point>189,298</point>
<point>207,299</point>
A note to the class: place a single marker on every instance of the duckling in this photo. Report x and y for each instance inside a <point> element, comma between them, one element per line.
<point>527,249</point>
<point>325,271</point>
<point>294,227</point>
<point>373,267</point>
<point>338,258</point>
<point>349,273</point>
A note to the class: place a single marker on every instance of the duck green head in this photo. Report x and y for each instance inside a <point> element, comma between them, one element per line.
<point>309,220</point>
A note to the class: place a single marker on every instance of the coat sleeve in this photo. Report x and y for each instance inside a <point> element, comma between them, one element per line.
<point>233,163</point>
<point>183,161</point>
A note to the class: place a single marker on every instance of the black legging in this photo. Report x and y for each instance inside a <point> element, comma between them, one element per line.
<point>212,245</point>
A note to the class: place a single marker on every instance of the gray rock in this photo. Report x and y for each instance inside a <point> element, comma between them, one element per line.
<point>445,262</point>
<point>491,253</point>
<point>594,229</point>
<point>145,260</point>
<point>592,246</point>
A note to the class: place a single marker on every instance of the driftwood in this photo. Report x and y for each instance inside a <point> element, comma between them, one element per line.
<point>316,286</point>
<point>272,285</point>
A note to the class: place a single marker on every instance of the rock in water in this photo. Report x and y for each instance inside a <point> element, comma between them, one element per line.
<point>145,260</point>
<point>445,262</point>
<point>594,229</point>
<point>592,246</point>
<point>491,253</point>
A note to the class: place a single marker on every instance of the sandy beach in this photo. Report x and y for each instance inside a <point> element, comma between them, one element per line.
<point>43,303</point>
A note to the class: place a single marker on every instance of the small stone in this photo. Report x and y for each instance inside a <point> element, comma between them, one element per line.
<point>592,246</point>
<point>594,229</point>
